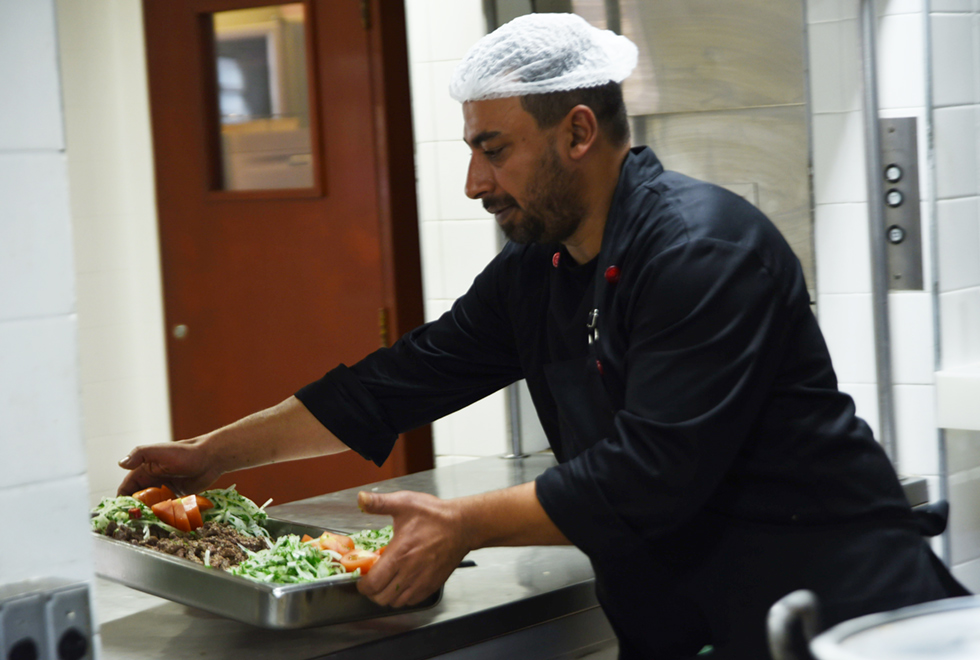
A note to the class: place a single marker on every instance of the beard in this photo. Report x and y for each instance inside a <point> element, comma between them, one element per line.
<point>554,209</point>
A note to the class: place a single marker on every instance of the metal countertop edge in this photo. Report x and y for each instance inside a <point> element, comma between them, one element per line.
<point>457,633</point>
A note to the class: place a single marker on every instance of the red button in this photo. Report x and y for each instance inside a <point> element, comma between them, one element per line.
<point>599,367</point>
<point>554,259</point>
<point>612,274</point>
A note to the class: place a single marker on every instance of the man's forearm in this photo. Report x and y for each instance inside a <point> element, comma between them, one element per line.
<point>509,517</point>
<point>285,432</point>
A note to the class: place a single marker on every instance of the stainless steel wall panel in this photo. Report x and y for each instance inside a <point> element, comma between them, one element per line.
<point>761,154</point>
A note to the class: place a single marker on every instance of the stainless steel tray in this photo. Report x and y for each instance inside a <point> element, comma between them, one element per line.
<point>282,606</point>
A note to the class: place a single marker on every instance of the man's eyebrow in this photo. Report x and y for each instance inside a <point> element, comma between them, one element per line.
<point>481,138</point>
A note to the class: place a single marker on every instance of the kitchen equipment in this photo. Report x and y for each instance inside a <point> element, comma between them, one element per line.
<point>941,630</point>
<point>275,606</point>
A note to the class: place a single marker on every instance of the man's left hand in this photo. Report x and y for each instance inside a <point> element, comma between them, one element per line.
<point>427,546</point>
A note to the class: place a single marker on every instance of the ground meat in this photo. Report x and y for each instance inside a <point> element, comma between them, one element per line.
<point>224,542</point>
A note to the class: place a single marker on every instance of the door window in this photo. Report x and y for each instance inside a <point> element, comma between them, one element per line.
<point>263,98</point>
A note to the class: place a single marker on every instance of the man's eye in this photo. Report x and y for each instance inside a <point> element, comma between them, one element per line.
<point>492,153</point>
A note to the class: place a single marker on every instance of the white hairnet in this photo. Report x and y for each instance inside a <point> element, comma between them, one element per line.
<point>540,53</point>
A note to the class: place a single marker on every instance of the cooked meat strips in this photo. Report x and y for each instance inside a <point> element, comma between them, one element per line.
<point>220,538</point>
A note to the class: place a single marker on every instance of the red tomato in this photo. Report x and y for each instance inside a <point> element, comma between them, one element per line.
<point>381,550</point>
<point>167,493</point>
<point>204,503</point>
<point>165,512</point>
<point>193,514</point>
<point>150,496</point>
<point>359,559</point>
<point>307,538</point>
<point>180,516</point>
<point>337,542</point>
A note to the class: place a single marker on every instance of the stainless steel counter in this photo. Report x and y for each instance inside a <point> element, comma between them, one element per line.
<point>539,600</point>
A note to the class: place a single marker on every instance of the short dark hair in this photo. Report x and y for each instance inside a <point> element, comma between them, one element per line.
<point>606,101</point>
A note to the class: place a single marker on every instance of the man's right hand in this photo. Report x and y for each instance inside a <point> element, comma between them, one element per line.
<point>184,466</point>
<point>285,432</point>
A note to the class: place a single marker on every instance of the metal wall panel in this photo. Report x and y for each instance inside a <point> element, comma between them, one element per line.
<point>761,154</point>
<point>720,94</point>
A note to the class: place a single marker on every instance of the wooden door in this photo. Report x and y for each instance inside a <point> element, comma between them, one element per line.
<point>271,279</point>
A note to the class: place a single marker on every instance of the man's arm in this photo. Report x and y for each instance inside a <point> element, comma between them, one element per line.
<point>432,536</point>
<point>285,432</point>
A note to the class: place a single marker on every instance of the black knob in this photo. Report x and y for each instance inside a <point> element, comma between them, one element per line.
<point>25,649</point>
<point>72,645</point>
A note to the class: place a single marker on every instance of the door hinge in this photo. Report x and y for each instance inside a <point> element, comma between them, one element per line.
<point>366,14</point>
<point>383,326</point>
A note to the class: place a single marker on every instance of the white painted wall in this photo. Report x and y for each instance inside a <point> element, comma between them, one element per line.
<point>113,206</point>
<point>43,486</point>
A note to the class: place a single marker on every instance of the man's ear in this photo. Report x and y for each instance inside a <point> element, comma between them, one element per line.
<point>583,130</point>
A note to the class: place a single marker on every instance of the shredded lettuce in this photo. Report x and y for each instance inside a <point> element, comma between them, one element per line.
<point>116,509</point>
<point>372,539</point>
<point>235,509</point>
<point>290,561</point>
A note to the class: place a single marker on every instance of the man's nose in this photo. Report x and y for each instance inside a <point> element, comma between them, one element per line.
<point>479,181</point>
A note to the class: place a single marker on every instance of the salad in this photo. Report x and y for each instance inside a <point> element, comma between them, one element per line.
<point>222,529</point>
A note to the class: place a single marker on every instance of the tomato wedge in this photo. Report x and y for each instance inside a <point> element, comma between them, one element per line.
<point>150,496</point>
<point>204,503</point>
<point>189,504</point>
<point>307,538</point>
<point>167,493</point>
<point>165,512</point>
<point>359,559</point>
<point>339,543</point>
<point>180,516</point>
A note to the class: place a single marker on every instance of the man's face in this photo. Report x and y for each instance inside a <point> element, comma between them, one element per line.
<point>517,172</point>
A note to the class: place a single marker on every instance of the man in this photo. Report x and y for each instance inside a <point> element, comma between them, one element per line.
<point>708,465</point>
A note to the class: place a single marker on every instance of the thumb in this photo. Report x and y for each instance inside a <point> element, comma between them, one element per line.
<point>132,460</point>
<point>374,502</point>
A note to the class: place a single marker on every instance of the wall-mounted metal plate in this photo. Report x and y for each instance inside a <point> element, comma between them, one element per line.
<point>903,226</point>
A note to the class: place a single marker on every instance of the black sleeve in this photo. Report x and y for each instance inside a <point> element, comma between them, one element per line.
<point>430,372</point>
<point>706,327</point>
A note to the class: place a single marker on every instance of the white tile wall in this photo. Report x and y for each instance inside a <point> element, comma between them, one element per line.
<point>846,321</point>
<point>40,424</point>
<point>954,64</point>
<point>916,432</point>
<point>958,223</point>
<point>40,413</point>
<point>30,114</point>
<point>959,318</point>
<point>458,236</point>
<point>35,235</point>
<point>911,328</point>
<point>39,547</point>
<point>901,78</point>
<point>842,246</point>
<point>956,151</point>
<point>838,158</point>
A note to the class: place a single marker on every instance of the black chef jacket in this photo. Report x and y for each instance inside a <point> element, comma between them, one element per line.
<point>708,464</point>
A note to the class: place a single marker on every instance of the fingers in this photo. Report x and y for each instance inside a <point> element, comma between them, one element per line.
<point>387,585</point>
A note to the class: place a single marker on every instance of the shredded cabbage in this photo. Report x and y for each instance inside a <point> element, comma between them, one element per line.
<point>116,509</point>
<point>372,539</point>
<point>290,561</point>
<point>235,509</point>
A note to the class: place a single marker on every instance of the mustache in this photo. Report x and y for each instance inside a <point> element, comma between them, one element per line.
<point>498,203</point>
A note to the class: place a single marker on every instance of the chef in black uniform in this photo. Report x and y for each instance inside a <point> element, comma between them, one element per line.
<point>708,464</point>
